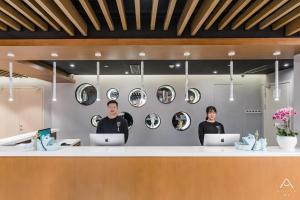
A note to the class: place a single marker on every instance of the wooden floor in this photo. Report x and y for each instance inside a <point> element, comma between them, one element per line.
<point>146,178</point>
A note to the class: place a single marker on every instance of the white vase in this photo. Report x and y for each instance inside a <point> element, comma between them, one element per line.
<point>287,143</point>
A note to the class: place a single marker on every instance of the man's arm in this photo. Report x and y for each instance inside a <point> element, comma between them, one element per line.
<point>125,129</point>
<point>201,133</point>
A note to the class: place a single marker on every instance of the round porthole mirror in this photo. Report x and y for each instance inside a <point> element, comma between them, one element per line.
<point>86,94</point>
<point>152,121</point>
<point>112,94</point>
<point>128,118</point>
<point>194,95</point>
<point>137,97</point>
<point>95,120</point>
<point>181,121</point>
<point>165,94</point>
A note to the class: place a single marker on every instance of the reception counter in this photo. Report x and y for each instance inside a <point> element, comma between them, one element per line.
<point>149,173</point>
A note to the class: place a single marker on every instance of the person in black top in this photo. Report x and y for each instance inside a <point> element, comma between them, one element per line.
<point>210,126</point>
<point>113,123</point>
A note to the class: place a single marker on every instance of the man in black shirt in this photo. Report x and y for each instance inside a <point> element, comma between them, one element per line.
<point>113,123</point>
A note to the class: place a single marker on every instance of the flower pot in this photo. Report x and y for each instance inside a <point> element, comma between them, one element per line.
<point>287,143</point>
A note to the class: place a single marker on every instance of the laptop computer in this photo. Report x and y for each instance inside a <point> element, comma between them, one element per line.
<point>107,139</point>
<point>216,139</point>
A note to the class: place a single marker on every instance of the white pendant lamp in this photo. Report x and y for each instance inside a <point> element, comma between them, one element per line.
<point>54,55</point>
<point>276,91</point>
<point>231,96</point>
<point>142,55</point>
<point>186,85</point>
<point>10,69</point>
<point>98,55</point>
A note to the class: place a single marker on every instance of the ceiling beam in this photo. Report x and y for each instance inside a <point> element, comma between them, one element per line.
<point>186,14</point>
<point>204,11</point>
<point>37,70</point>
<point>256,6</point>
<point>219,9</point>
<point>71,12</point>
<point>9,21</point>
<point>57,15</point>
<point>8,10</point>
<point>3,26</point>
<point>286,19</point>
<point>91,14</point>
<point>240,4</point>
<point>293,27</point>
<point>171,7</point>
<point>41,12</point>
<point>24,10</point>
<point>274,5</point>
<point>137,8</point>
<point>291,5</point>
<point>121,9</point>
<point>105,11</point>
<point>153,14</point>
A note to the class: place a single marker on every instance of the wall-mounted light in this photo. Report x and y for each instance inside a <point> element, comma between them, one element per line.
<point>215,72</point>
<point>10,79</point>
<point>186,88</point>
<point>276,91</point>
<point>142,54</point>
<point>54,55</point>
<point>72,65</point>
<point>231,96</point>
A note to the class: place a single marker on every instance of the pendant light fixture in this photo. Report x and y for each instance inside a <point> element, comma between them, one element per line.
<point>276,91</point>
<point>98,55</point>
<point>54,55</point>
<point>10,69</point>
<point>186,86</point>
<point>231,96</point>
<point>142,55</point>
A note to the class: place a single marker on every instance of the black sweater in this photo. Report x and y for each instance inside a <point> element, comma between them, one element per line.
<point>208,128</point>
<point>107,125</point>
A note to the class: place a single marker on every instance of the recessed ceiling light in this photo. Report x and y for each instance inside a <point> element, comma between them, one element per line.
<point>276,53</point>
<point>126,72</point>
<point>286,64</point>
<point>98,54</point>
<point>72,65</point>
<point>10,54</point>
<point>186,54</point>
<point>142,54</point>
<point>54,54</point>
<point>106,66</point>
<point>231,53</point>
<point>171,66</point>
<point>177,64</point>
<point>215,72</point>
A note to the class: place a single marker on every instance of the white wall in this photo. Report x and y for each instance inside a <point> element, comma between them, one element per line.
<point>74,119</point>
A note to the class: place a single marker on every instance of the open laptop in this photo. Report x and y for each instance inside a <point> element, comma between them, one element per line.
<point>107,139</point>
<point>218,139</point>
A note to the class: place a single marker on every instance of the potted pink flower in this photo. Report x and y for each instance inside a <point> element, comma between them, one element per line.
<point>286,137</point>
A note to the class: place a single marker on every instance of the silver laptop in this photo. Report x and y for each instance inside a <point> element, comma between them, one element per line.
<point>107,139</point>
<point>218,139</point>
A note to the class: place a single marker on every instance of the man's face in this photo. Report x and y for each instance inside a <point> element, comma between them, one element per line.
<point>112,109</point>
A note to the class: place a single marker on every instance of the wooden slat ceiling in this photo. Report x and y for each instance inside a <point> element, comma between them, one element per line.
<point>79,17</point>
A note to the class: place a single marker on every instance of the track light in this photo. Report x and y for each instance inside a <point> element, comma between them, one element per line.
<point>231,96</point>
<point>54,55</point>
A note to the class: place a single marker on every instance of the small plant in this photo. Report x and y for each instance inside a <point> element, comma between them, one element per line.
<point>284,116</point>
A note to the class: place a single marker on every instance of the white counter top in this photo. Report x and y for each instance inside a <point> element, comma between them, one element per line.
<point>20,138</point>
<point>149,151</point>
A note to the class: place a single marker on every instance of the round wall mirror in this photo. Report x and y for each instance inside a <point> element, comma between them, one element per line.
<point>137,97</point>
<point>95,120</point>
<point>112,94</point>
<point>86,94</point>
<point>165,94</point>
<point>152,121</point>
<point>194,95</point>
<point>128,117</point>
<point>181,121</point>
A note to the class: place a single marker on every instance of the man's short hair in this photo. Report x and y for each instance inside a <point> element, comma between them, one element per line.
<point>112,102</point>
